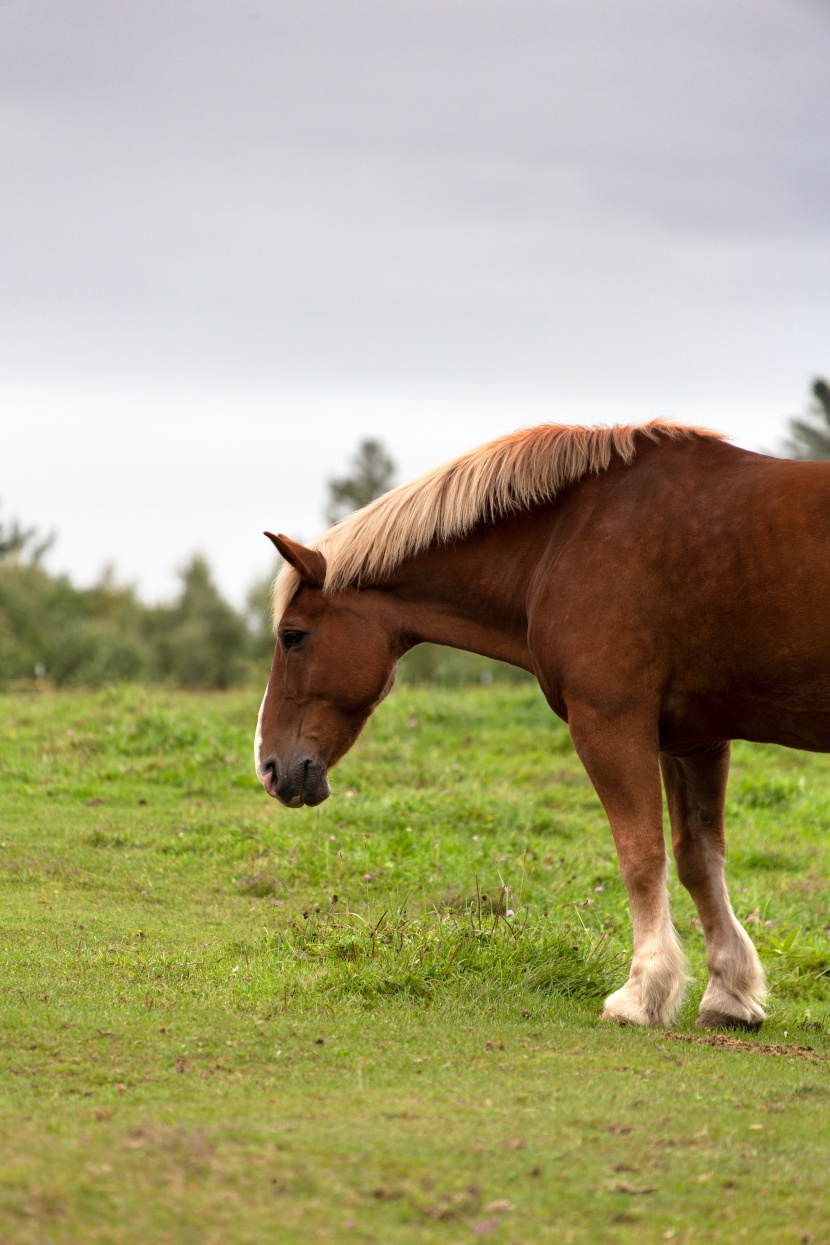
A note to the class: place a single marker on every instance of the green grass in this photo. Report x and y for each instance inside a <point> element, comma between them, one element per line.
<point>227,1022</point>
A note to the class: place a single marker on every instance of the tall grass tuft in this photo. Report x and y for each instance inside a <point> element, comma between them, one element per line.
<point>377,954</point>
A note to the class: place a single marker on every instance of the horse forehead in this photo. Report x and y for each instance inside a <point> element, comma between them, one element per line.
<point>313,605</point>
<point>301,614</point>
<point>307,606</point>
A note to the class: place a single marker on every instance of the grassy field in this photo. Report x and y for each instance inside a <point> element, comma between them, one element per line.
<point>227,1022</point>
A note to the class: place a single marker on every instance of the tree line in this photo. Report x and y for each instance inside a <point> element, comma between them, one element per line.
<point>51,630</point>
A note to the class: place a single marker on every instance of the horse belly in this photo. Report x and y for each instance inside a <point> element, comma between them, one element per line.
<point>756,723</point>
<point>766,702</point>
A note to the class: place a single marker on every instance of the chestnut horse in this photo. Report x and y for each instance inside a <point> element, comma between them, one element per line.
<point>669,591</point>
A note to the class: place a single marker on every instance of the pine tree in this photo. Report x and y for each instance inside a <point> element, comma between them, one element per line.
<point>810,437</point>
<point>15,541</point>
<point>372,473</point>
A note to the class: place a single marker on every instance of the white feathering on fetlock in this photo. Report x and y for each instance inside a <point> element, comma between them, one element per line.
<point>656,985</point>
<point>737,983</point>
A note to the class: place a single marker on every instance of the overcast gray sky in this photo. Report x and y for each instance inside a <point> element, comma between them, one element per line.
<point>239,236</point>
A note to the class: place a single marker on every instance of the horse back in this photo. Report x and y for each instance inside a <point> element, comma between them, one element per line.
<point>694,583</point>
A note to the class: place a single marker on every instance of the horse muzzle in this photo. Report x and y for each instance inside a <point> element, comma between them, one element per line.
<point>298,783</point>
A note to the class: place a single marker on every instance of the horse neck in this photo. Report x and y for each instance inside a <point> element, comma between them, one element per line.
<point>472,594</point>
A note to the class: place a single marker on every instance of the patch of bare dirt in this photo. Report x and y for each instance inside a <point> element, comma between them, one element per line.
<point>724,1042</point>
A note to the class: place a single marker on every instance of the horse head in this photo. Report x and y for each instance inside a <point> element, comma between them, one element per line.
<point>333,664</point>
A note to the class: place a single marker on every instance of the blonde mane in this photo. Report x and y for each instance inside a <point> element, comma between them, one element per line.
<point>515,473</point>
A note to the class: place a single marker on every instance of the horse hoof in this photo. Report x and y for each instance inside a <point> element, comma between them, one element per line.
<point>612,1018</point>
<point>720,1020</point>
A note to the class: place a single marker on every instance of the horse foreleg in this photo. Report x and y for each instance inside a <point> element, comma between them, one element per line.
<point>621,758</point>
<point>696,793</point>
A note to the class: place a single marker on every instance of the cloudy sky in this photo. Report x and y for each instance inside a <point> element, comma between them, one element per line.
<point>239,235</point>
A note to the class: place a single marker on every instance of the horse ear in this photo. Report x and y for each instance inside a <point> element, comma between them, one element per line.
<point>309,564</point>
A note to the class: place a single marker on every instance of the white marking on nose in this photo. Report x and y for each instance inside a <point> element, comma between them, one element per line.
<point>258,739</point>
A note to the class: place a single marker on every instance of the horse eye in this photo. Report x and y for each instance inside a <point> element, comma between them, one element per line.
<point>291,639</point>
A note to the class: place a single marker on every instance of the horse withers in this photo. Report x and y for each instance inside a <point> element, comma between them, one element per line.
<point>669,591</point>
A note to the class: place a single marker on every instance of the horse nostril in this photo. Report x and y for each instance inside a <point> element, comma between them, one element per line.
<point>271,772</point>
<point>315,783</point>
